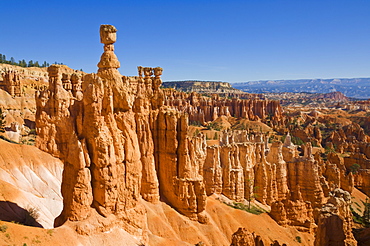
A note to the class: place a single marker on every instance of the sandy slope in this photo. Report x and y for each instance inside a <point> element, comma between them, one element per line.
<point>16,103</point>
<point>358,200</point>
<point>166,227</point>
<point>14,234</point>
<point>31,179</point>
<point>164,222</point>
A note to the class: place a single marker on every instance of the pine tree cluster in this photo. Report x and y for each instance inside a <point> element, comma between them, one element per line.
<point>23,63</point>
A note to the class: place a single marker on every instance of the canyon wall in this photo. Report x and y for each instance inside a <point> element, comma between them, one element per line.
<point>203,109</point>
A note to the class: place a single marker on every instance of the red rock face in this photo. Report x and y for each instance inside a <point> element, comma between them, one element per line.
<point>335,96</point>
<point>305,192</point>
<point>57,130</point>
<point>202,109</point>
<point>352,139</point>
<point>99,148</point>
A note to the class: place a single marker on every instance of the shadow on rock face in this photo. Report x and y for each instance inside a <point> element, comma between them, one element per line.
<point>30,124</point>
<point>11,212</point>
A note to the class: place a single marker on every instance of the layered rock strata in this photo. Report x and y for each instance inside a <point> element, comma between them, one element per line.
<point>234,169</point>
<point>212,171</point>
<point>203,109</point>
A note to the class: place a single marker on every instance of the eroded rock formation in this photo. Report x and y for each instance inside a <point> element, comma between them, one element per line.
<point>278,176</point>
<point>203,109</point>
<point>180,160</point>
<point>118,143</point>
<point>242,237</point>
<point>95,136</point>
<point>11,83</point>
<point>213,171</point>
<point>335,221</point>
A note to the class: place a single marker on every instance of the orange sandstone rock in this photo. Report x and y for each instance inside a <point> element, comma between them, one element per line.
<point>12,84</point>
<point>180,160</point>
<point>203,109</point>
<point>242,237</point>
<point>335,221</point>
<point>212,172</point>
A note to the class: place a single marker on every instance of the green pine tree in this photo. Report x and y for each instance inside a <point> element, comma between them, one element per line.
<point>366,215</point>
<point>30,64</point>
<point>2,121</point>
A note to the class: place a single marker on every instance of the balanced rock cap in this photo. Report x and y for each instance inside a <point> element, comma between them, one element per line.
<point>108,34</point>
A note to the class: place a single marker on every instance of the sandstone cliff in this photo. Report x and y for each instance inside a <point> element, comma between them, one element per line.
<point>203,109</point>
<point>18,81</point>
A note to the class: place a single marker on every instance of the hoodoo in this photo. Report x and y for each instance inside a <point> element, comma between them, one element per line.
<point>119,143</point>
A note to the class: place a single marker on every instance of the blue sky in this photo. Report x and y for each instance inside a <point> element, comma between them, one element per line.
<point>232,41</point>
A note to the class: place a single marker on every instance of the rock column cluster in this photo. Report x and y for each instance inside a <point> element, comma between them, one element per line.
<point>203,109</point>
<point>12,84</point>
<point>118,144</point>
<point>335,221</point>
